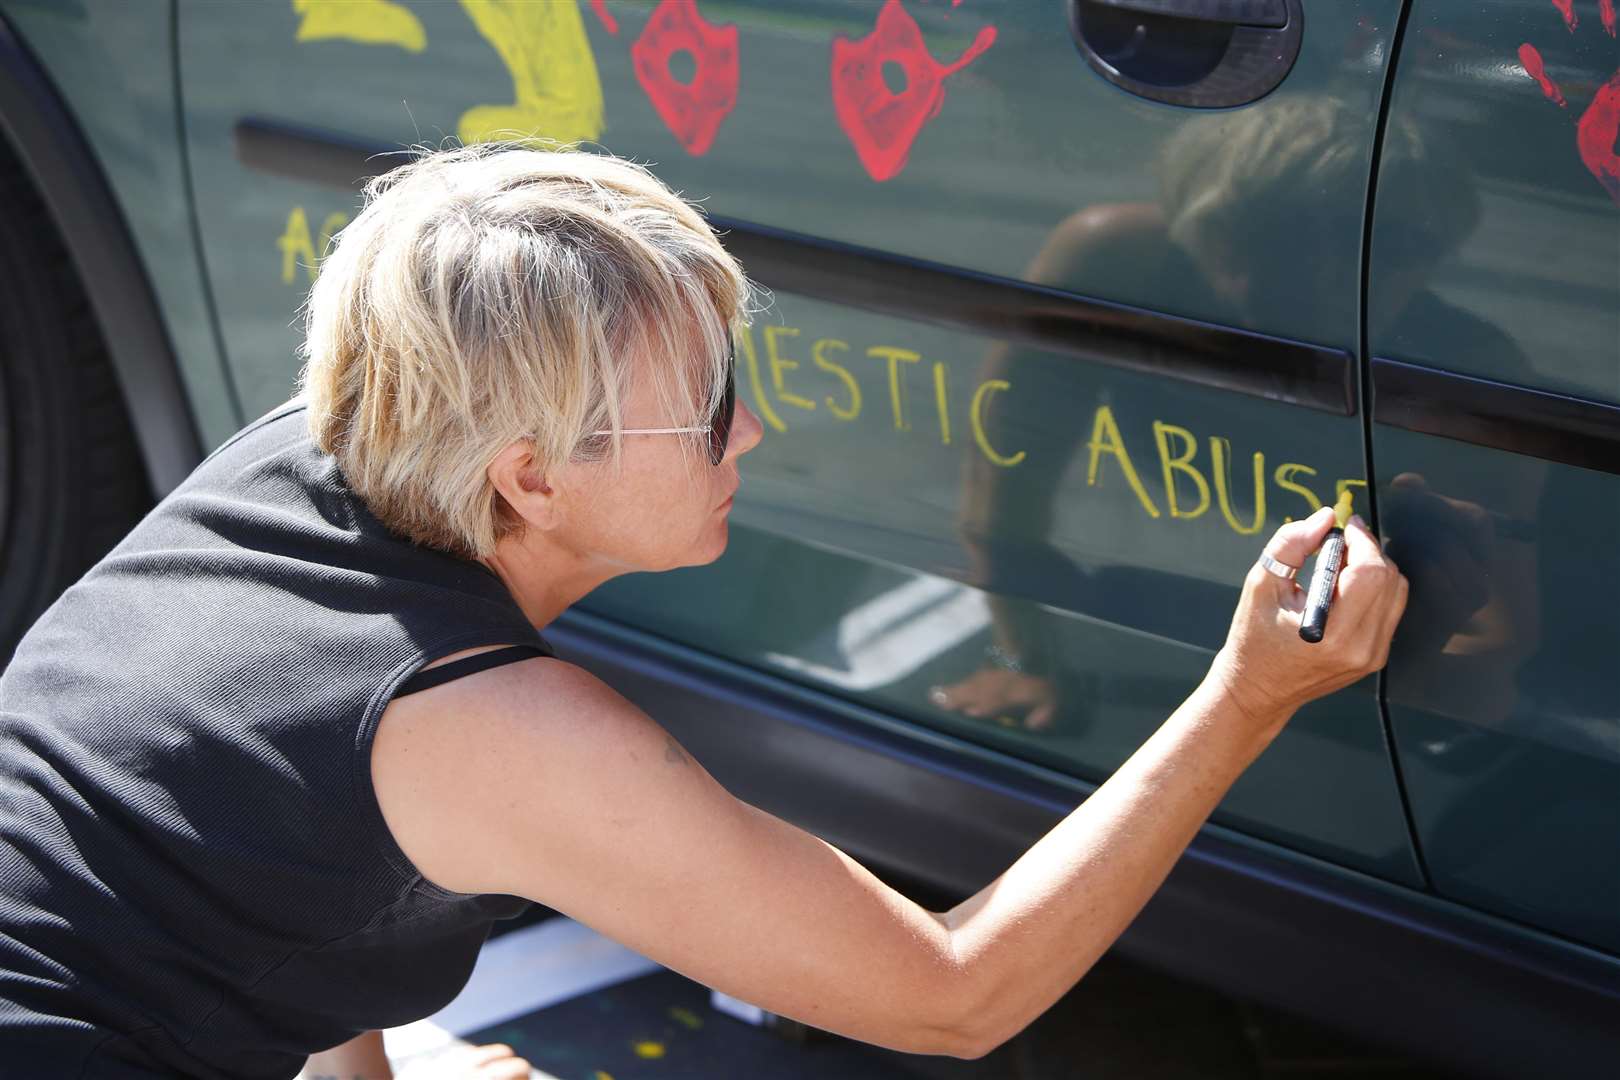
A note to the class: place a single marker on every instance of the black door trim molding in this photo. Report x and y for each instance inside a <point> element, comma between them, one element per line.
<point>1493,998</point>
<point>1098,331</point>
<point>65,172</point>
<point>1537,423</point>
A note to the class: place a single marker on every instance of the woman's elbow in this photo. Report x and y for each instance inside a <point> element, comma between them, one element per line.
<point>973,1039</point>
<point>964,1025</point>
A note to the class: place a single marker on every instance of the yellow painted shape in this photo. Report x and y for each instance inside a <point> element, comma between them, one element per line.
<point>329,228</point>
<point>1221,451</point>
<point>780,363</point>
<point>976,418</point>
<point>745,338</point>
<point>649,1049</point>
<point>686,1016</point>
<point>896,357</point>
<point>1181,463</point>
<point>1285,479</point>
<point>296,244</point>
<point>1105,439</point>
<point>370,22</point>
<point>943,404</point>
<point>818,353</point>
<point>600,1075</point>
<point>556,91</point>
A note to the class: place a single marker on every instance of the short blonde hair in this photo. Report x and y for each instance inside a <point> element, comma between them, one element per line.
<point>494,293</point>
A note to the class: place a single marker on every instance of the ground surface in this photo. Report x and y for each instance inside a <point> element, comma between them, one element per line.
<point>580,1007</point>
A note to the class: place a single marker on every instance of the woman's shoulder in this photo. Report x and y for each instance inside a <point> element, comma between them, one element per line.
<point>449,766</point>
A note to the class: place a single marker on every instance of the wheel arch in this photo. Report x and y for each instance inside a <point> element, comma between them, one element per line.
<point>43,134</point>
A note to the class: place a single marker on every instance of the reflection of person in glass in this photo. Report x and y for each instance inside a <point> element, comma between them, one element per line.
<point>1234,193</point>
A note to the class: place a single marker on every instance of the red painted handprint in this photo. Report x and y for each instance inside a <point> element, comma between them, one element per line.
<point>1599,126</point>
<point>880,123</point>
<point>692,111</point>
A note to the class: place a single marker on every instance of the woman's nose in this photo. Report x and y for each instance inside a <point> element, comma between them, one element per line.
<point>746,430</point>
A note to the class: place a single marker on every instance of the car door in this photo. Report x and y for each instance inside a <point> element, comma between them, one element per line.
<point>1063,321</point>
<point>1494,323</point>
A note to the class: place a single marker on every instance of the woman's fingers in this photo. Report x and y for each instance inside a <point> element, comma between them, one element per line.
<point>1292,545</point>
<point>1298,540</point>
<point>489,1061</point>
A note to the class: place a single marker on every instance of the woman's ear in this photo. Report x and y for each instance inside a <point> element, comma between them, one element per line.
<point>515,475</point>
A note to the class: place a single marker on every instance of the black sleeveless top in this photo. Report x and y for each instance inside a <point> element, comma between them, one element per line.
<point>195,876</point>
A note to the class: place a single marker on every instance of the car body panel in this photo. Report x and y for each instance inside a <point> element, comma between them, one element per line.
<point>113,65</point>
<point>910,468</point>
<point>1004,352</point>
<point>1504,699</point>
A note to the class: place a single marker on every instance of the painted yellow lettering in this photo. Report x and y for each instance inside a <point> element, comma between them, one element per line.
<point>1220,451</point>
<point>780,363</point>
<point>942,403</point>
<point>895,357</point>
<point>1285,479</point>
<point>976,418</point>
<point>370,22</point>
<point>329,228</point>
<point>818,353</point>
<point>1182,463</point>
<point>555,88</point>
<point>745,338</point>
<point>1105,439</point>
<point>296,244</point>
<point>1360,496</point>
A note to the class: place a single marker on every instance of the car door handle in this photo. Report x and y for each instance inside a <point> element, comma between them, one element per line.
<point>1196,53</point>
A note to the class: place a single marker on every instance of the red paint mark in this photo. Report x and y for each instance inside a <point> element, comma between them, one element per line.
<point>693,112</point>
<point>881,124</point>
<point>608,21</point>
<point>1530,57</point>
<point>1566,8</point>
<point>1606,13</point>
<point>1596,134</point>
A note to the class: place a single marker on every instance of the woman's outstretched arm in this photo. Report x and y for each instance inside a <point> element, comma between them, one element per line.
<point>538,780</point>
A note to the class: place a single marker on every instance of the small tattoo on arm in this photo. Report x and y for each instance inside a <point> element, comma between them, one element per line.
<point>672,751</point>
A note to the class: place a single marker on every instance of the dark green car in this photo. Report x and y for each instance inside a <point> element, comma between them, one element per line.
<point>1075,301</point>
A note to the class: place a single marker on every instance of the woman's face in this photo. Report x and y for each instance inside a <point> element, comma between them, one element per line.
<point>664,505</point>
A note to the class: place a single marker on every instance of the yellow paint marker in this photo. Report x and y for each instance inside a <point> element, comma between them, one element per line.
<point>1329,561</point>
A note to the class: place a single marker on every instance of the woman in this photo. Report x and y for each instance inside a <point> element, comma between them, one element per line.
<point>275,764</point>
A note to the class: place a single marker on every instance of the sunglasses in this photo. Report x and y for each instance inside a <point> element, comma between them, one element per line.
<point>719,426</point>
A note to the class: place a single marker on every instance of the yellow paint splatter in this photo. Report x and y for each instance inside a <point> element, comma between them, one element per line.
<point>649,1049</point>
<point>556,91</point>
<point>686,1016</point>
<point>370,22</point>
<point>600,1075</point>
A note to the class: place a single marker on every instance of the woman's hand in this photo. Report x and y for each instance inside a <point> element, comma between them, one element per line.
<point>490,1061</point>
<point>1265,668</point>
<point>364,1058</point>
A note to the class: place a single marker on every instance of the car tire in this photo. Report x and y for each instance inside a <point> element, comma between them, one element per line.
<point>71,478</point>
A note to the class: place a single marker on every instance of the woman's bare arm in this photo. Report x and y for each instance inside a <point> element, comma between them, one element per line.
<point>361,1058</point>
<point>538,780</point>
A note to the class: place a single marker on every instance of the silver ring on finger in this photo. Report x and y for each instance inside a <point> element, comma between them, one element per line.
<point>1281,569</point>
